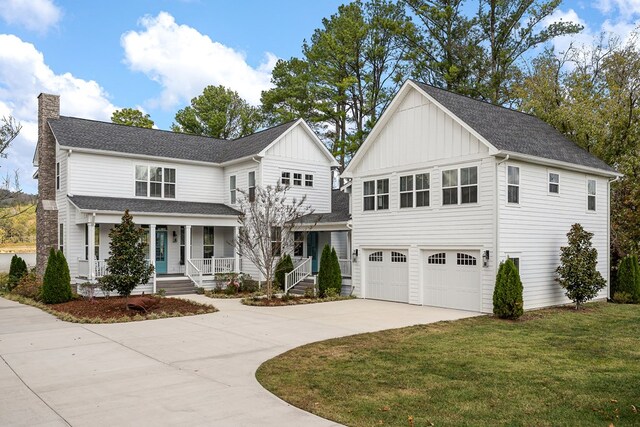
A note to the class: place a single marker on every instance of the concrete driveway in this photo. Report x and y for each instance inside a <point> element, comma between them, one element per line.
<point>197,370</point>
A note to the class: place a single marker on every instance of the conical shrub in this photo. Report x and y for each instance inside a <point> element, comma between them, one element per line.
<point>326,276</point>
<point>56,284</point>
<point>507,294</point>
<point>337,274</point>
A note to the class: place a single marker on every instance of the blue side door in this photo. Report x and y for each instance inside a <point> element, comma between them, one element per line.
<point>161,251</point>
<point>312,250</point>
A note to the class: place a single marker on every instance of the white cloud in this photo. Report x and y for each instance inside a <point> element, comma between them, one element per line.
<point>626,8</point>
<point>34,15</point>
<point>183,61</point>
<point>24,74</point>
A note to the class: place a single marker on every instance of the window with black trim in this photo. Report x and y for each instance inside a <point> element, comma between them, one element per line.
<point>554,183</point>
<point>285,178</point>
<point>591,194</point>
<point>297,179</point>
<point>469,185</point>
<point>422,189</point>
<point>376,257</point>
<point>207,242</point>
<point>439,258</point>
<point>406,191</point>
<point>57,175</point>
<point>298,243</point>
<point>155,181</point>
<point>465,259</point>
<point>369,195</point>
<point>382,193</point>
<point>252,186</point>
<point>308,180</point>
<point>513,184</point>
<point>398,257</point>
<point>182,244</point>
<point>232,189</point>
<point>450,187</point>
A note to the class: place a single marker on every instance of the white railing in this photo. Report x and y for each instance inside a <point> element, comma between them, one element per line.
<point>224,265</point>
<point>83,268</point>
<point>297,275</point>
<point>193,273</point>
<point>100,267</point>
<point>203,264</point>
<point>345,267</point>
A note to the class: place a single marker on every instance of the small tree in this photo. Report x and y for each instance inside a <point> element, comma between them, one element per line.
<point>326,276</point>
<point>56,283</point>
<point>507,294</point>
<point>577,272</point>
<point>266,221</point>
<point>17,270</point>
<point>284,266</point>
<point>127,265</point>
<point>337,273</point>
<point>628,279</point>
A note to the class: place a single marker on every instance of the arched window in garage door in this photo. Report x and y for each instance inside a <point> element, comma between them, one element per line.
<point>376,257</point>
<point>398,257</point>
<point>439,258</point>
<point>466,259</point>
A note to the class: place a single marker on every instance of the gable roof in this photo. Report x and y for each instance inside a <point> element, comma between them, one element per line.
<point>513,131</point>
<point>339,210</point>
<point>152,206</point>
<point>95,135</point>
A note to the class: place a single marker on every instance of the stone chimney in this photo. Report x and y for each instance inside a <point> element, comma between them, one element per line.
<point>47,210</point>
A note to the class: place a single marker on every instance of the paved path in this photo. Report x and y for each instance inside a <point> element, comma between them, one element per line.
<point>197,370</point>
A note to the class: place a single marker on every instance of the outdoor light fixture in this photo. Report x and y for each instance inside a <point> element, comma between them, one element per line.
<point>175,236</point>
<point>355,255</point>
<point>485,258</point>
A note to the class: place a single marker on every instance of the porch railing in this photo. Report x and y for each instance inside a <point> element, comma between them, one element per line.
<point>215,265</point>
<point>193,273</point>
<point>345,267</point>
<point>297,275</point>
<point>83,268</point>
<point>99,268</point>
<point>202,264</point>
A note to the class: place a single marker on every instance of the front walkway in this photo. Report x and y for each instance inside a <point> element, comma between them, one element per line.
<point>197,370</point>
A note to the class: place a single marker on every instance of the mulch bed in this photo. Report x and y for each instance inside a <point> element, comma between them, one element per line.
<point>222,295</point>
<point>278,302</point>
<point>114,308</point>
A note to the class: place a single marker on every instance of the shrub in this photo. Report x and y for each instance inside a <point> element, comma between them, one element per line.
<point>577,272</point>
<point>247,284</point>
<point>622,297</point>
<point>325,275</point>
<point>331,293</point>
<point>337,274</point>
<point>284,266</point>
<point>17,270</point>
<point>507,294</point>
<point>30,286</point>
<point>56,283</point>
<point>628,278</point>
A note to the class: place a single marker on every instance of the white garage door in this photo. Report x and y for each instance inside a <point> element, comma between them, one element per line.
<point>387,275</point>
<point>452,279</point>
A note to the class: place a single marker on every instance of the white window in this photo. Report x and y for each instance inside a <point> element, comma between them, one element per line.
<point>232,189</point>
<point>406,191</point>
<point>554,183</point>
<point>439,258</point>
<point>207,242</point>
<point>252,186</point>
<point>450,187</point>
<point>469,185</point>
<point>58,176</point>
<point>276,240</point>
<point>465,259</point>
<point>591,194</point>
<point>382,193</point>
<point>369,195</point>
<point>61,237</point>
<point>155,181</point>
<point>297,179</point>
<point>376,195</point>
<point>376,257</point>
<point>513,184</point>
<point>398,257</point>
<point>422,189</point>
<point>285,178</point>
<point>298,243</point>
<point>308,180</point>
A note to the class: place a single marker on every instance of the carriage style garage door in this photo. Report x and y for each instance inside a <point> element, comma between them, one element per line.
<point>452,279</point>
<point>387,275</point>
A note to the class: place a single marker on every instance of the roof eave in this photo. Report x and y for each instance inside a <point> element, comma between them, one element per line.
<point>137,156</point>
<point>557,163</point>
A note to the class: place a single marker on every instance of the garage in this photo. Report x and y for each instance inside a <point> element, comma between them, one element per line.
<point>452,279</point>
<point>387,275</point>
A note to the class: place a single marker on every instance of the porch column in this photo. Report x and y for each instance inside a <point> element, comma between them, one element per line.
<point>187,243</point>
<point>236,251</point>
<point>152,252</point>
<point>91,242</point>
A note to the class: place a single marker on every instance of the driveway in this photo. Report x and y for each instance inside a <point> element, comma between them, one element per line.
<point>197,370</point>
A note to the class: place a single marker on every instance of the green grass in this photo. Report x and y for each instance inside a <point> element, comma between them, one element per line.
<point>554,367</point>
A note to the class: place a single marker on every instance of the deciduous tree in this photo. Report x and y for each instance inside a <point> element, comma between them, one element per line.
<point>132,117</point>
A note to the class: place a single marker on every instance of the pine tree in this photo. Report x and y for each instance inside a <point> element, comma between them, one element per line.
<point>56,283</point>
<point>628,279</point>
<point>17,270</point>
<point>325,275</point>
<point>337,274</point>
<point>127,265</point>
<point>577,272</point>
<point>507,294</point>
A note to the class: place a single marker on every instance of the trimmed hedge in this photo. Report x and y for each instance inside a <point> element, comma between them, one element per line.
<point>628,280</point>
<point>17,270</point>
<point>507,294</point>
<point>329,276</point>
<point>56,284</point>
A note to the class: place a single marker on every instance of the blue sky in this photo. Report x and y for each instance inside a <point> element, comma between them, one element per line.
<point>157,55</point>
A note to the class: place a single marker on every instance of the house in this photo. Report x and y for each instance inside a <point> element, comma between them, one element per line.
<point>446,187</point>
<point>182,189</point>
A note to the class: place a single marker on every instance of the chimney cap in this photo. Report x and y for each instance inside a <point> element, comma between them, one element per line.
<point>48,95</point>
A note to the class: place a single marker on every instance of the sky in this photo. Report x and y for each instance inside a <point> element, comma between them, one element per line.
<point>155,55</point>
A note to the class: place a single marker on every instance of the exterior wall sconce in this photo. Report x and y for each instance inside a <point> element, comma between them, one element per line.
<point>355,255</point>
<point>175,236</point>
<point>485,258</point>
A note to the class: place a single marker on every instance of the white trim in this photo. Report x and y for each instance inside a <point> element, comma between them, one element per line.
<point>557,164</point>
<point>459,185</point>
<point>595,195</point>
<point>375,194</point>
<point>514,204</point>
<point>549,183</point>
<point>142,157</point>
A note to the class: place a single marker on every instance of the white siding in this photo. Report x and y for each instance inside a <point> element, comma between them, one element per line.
<point>241,172</point>
<point>297,144</point>
<point>339,242</point>
<point>535,229</point>
<point>418,132</point>
<point>111,176</point>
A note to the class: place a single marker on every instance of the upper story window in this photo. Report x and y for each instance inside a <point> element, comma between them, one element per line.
<point>554,183</point>
<point>308,180</point>
<point>513,184</point>
<point>58,176</point>
<point>419,185</point>
<point>232,189</point>
<point>406,191</point>
<point>285,178</point>
<point>466,192</point>
<point>297,179</point>
<point>422,189</point>
<point>155,181</point>
<point>369,195</point>
<point>382,192</point>
<point>591,194</point>
<point>252,186</point>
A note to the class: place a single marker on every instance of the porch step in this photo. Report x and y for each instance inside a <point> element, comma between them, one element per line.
<point>176,287</point>
<point>302,287</point>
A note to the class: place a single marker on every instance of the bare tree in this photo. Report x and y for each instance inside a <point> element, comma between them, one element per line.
<point>9,130</point>
<point>266,222</point>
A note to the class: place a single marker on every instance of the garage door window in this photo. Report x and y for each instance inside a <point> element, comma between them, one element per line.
<point>465,259</point>
<point>398,257</point>
<point>375,257</point>
<point>440,258</point>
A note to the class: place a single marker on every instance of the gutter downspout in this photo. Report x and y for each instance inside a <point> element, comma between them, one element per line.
<point>497,216</point>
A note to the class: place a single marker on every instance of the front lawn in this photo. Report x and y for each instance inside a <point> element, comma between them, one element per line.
<point>553,367</point>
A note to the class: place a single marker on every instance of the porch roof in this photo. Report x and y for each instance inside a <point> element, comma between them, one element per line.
<point>150,206</point>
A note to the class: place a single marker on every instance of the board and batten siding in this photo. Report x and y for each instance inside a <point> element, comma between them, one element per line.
<point>419,138</point>
<point>536,228</point>
<point>113,176</point>
<point>241,172</point>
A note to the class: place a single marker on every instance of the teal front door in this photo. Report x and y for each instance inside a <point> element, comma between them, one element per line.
<point>161,252</point>
<point>312,250</point>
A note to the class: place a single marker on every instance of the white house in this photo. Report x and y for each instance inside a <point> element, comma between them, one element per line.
<point>446,187</point>
<point>181,188</point>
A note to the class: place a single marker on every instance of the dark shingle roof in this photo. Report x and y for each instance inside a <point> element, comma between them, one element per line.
<point>95,135</point>
<point>339,210</point>
<point>511,130</point>
<point>164,206</point>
